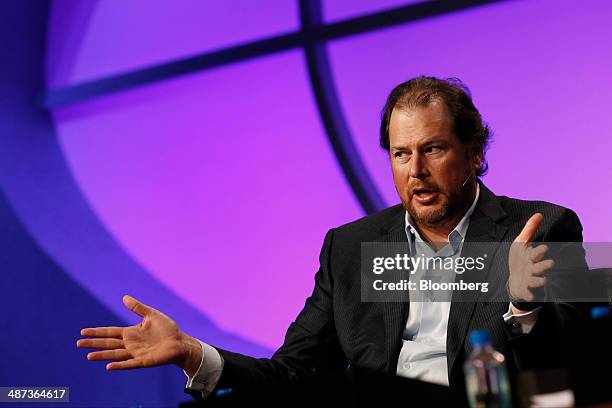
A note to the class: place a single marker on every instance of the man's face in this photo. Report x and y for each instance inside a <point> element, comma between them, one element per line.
<point>430,164</point>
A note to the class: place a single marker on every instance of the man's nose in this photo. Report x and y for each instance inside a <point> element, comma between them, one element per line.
<point>418,169</point>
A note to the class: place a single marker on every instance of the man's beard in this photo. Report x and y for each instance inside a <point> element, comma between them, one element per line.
<point>449,207</point>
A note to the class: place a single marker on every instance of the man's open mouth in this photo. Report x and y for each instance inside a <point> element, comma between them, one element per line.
<point>424,195</point>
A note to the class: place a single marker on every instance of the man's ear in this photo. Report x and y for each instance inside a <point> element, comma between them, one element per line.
<point>477,161</point>
<point>476,157</point>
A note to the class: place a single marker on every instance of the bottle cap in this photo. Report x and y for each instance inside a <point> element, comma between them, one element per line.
<point>599,312</point>
<point>480,338</point>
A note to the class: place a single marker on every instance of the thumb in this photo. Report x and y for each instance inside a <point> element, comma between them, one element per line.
<point>530,228</point>
<point>137,307</point>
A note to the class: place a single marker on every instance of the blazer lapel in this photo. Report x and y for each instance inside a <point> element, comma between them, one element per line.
<point>483,227</point>
<point>395,314</point>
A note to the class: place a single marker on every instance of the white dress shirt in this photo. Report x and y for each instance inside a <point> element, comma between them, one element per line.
<point>206,378</point>
<point>423,353</point>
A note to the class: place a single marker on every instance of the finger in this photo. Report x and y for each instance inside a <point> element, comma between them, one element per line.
<point>109,332</point>
<point>537,253</point>
<point>120,354</point>
<point>137,307</point>
<point>537,281</point>
<point>530,228</point>
<point>102,344</point>
<point>125,365</point>
<point>542,266</point>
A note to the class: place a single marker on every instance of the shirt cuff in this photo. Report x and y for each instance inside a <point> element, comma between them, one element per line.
<point>206,378</point>
<point>521,323</point>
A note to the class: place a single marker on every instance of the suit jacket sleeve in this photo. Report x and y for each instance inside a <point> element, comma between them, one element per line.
<point>310,345</point>
<point>541,348</point>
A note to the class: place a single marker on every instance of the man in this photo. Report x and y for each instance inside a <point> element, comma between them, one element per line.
<point>437,142</point>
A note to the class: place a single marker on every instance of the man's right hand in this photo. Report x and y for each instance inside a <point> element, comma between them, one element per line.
<point>157,340</point>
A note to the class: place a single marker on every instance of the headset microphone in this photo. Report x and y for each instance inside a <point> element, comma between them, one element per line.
<point>466,180</point>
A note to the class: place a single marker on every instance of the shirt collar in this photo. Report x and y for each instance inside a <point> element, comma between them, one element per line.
<point>456,236</point>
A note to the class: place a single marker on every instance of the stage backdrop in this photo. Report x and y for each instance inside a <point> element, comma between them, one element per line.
<point>187,153</point>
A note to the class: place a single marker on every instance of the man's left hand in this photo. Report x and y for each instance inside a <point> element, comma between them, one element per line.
<point>527,264</point>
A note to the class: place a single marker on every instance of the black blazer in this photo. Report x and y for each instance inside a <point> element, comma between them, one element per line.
<point>336,329</point>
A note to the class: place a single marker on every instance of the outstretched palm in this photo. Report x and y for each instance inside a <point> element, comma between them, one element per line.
<point>155,341</point>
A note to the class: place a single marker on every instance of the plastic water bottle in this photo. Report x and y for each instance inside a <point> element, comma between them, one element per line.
<point>486,379</point>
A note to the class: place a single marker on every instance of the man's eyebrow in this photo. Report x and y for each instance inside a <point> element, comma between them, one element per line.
<point>399,147</point>
<point>433,139</point>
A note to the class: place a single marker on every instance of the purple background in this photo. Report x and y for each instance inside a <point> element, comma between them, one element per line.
<point>208,195</point>
<point>91,39</point>
<point>540,76</point>
<point>222,184</point>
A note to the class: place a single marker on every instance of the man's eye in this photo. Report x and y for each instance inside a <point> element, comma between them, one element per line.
<point>434,149</point>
